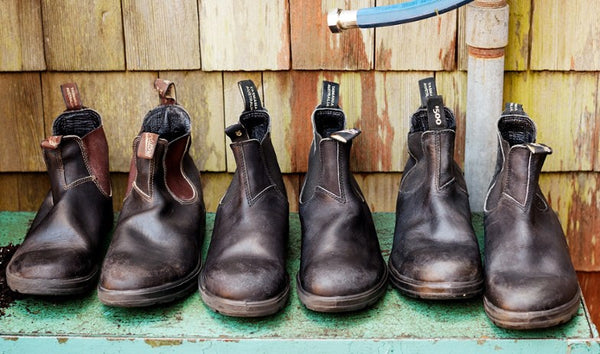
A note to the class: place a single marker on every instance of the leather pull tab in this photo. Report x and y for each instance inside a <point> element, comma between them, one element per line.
<point>166,91</point>
<point>71,96</point>
<point>538,149</point>
<point>512,108</point>
<point>436,117</point>
<point>250,96</point>
<point>52,142</point>
<point>147,146</point>
<point>346,135</point>
<point>330,96</point>
<point>236,132</point>
<point>427,89</point>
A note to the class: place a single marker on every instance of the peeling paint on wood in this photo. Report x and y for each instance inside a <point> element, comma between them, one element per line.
<point>244,34</point>
<point>565,35</point>
<point>315,47</point>
<point>563,106</point>
<point>201,94</point>
<point>74,42</point>
<point>122,99</point>
<point>428,44</point>
<point>21,37</point>
<point>161,35</point>
<point>576,199</point>
<point>22,122</point>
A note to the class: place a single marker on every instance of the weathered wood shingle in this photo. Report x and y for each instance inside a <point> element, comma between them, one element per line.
<point>21,36</point>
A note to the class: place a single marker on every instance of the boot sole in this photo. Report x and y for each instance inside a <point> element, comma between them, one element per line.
<point>345,303</point>
<point>240,308</point>
<point>435,290</point>
<point>531,319</point>
<point>52,287</point>
<point>150,296</point>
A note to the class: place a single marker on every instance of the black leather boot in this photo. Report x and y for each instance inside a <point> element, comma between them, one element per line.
<point>529,278</point>
<point>435,254</point>
<point>62,249</point>
<point>244,274</point>
<point>341,267</point>
<point>154,256</point>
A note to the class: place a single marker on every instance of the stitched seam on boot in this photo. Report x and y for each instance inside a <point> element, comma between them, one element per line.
<point>487,195</point>
<point>273,184</point>
<point>80,181</point>
<point>340,198</point>
<point>249,197</point>
<point>89,170</point>
<point>164,164</point>
<point>521,204</point>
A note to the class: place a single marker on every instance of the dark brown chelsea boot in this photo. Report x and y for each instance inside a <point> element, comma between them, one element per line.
<point>435,254</point>
<point>529,278</point>
<point>244,274</point>
<point>62,249</point>
<point>154,255</point>
<point>341,267</point>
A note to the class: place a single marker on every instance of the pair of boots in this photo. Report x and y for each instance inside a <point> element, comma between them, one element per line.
<point>154,255</point>
<point>341,266</point>
<point>529,279</point>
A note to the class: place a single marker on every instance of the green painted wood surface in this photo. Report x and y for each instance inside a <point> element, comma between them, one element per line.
<point>394,324</point>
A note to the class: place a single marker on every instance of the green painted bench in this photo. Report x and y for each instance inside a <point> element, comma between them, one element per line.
<point>395,324</point>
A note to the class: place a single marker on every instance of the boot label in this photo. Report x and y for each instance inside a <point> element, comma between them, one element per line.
<point>147,146</point>
<point>71,96</point>
<point>330,95</point>
<point>250,95</point>
<point>435,113</point>
<point>427,89</point>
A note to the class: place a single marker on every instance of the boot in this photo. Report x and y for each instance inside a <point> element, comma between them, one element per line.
<point>341,267</point>
<point>435,254</point>
<point>529,278</point>
<point>62,249</point>
<point>245,273</point>
<point>154,256</point>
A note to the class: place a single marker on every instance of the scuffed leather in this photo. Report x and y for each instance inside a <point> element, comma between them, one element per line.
<point>527,263</point>
<point>434,240</point>
<point>340,253</point>
<point>247,254</point>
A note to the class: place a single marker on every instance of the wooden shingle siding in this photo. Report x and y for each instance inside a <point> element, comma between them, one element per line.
<point>576,198</point>
<point>565,35</point>
<point>314,47</point>
<point>244,34</point>
<point>380,190</point>
<point>161,35</point>
<point>21,36</point>
<point>23,191</point>
<point>517,51</point>
<point>122,99</point>
<point>453,87</point>
<point>83,35</point>
<point>428,44</point>
<point>21,118</point>
<point>201,94</point>
<point>563,106</point>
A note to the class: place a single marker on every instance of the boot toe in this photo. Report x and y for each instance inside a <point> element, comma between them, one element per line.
<point>434,265</point>
<point>51,264</point>
<point>244,280</point>
<point>517,292</point>
<point>334,278</point>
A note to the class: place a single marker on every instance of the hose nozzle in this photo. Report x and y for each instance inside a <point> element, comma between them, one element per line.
<point>339,20</point>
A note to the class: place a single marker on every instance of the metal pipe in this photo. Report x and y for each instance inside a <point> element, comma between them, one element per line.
<point>486,37</point>
<point>380,16</point>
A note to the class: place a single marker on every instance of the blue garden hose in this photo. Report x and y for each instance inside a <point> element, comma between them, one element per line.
<point>389,15</point>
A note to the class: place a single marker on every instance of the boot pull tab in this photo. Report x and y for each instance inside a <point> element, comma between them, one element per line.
<point>147,146</point>
<point>250,96</point>
<point>512,108</point>
<point>436,117</point>
<point>539,149</point>
<point>52,142</point>
<point>346,135</point>
<point>236,132</point>
<point>71,96</point>
<point>166,91</point>
<point>330,95</point>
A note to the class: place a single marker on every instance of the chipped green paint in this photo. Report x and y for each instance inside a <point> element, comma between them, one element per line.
<point>395,324</point>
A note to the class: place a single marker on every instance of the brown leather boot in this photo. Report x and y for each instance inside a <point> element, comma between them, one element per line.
<point>530,280</point>
<point>62,249</point>
<point>435,254</point>
<point>154,256</point>
<point>244,274</point>
<point>341,267</point>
